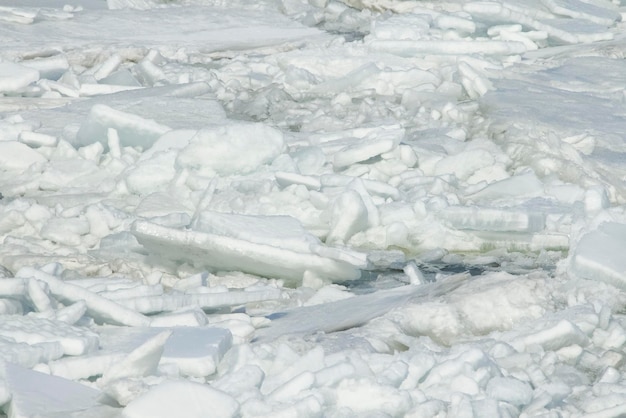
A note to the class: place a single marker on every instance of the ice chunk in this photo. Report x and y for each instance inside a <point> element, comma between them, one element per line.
<point>12,287</point>
<point>491,219</point>
<point>11,307</point>
<point>100,308</point>
<point>364,149</point>
<point>36,139</point>
<point>349,215</point>
<point>84,367</point>
<point>107,67</point>
<point>285,179</point>
<point>133,130</point>
<point>464,164</point>
<point>224,252</point>
<point>150,175</point>
<point>32,330</point>
<point>182,398</point>
<point>364,395</point>
<point>142,361</point>
<point>409,26</point>
<point>278,231</point>
<point>39,394</point>
<point>511,390</point>
<point>161,204</point>
<point>72,313</point>
<point>121,78</point>
<point>195,351</point>
<point>18,156</point>
<point>51,68</point>
<point>525,184</point>
<point>235,148</point>
<point>14,77</point>
<point>599,255</point>
<point>29,355</point>
<point>38,296</point>
<point>175,139</point>
<point>65,230</point>
<point>563,334</point>
<point>182,318</point>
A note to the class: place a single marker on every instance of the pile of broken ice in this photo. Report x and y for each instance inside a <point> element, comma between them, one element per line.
<point>187,216</point>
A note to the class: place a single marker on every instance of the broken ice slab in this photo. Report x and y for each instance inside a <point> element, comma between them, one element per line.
<point>569,31</point>
<point>277,231</point>
<point>352,312</point>
<point>599,255</point>
<point>99,307</point>
<point>212,300</point>
<point>35,394</point>
<point>133,130</point>
<point>32,330</point>
<point>476,218</point>
<point>29,354</point>
<point>562,334</point>
<point>240,247</point>
<point>194,351</point>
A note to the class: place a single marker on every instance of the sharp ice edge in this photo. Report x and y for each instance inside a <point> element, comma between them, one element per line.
<point>189,203</point>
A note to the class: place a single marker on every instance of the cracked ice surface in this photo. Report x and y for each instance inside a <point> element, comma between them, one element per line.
<point>312,208</point>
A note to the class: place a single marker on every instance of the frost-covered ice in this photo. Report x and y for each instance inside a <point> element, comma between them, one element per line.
<point>312,208</point>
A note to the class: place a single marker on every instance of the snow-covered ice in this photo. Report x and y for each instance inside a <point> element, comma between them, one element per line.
<point>312,208</point>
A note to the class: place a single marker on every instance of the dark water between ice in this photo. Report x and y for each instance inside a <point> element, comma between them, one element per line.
<point>389,278</point>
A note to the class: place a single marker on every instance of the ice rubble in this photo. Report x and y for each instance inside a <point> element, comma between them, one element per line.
<point>178,206</point>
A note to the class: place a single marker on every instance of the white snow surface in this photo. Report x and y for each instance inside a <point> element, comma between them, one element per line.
<point>312,208</point>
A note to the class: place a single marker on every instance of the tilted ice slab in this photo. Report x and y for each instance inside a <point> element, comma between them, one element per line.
<point>196,351</point>
<point>352,312</point>
<point>565,103</point>
<point>599,255</point>
<point>131,129</point>
<point>38,394</point>
<point>237,243</point>
<point>193,351</point>
<point>140,114</point>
